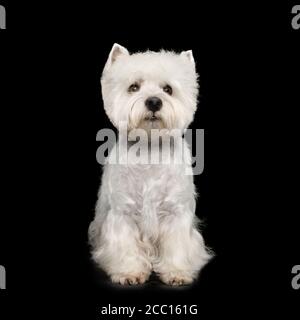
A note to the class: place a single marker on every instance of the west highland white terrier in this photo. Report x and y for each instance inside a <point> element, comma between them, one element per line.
<point>145,214</point>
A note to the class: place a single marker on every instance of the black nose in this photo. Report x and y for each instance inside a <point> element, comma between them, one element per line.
<point>153,104</point>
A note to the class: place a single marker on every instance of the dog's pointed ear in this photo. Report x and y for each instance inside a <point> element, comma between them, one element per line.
<point>188,55</point>
<point>115,53</point>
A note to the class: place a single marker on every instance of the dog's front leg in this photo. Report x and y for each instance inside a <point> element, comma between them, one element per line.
<point>182,252</point>
<point>119,250</point>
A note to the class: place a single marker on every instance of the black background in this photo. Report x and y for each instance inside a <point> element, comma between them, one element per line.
<point>51,61</point>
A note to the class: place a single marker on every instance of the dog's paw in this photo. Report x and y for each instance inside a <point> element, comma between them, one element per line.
<point>130,278</point>
<point>176,278</point>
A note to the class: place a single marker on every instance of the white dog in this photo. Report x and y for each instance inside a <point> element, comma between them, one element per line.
<point>145,215</point>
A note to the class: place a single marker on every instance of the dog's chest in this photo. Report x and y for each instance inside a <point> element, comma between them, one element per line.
<point>149,188</point>
<point>151,184</point>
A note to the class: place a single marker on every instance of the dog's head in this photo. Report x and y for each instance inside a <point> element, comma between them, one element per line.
<point>150,90</point>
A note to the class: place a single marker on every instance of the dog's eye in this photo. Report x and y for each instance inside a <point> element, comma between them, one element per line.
<point>134,87</point>
<point>168,89</point>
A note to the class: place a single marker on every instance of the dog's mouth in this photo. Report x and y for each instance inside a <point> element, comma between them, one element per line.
<point>152,118</point>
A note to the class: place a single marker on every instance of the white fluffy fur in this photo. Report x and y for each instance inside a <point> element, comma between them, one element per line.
<point>145,215</point>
